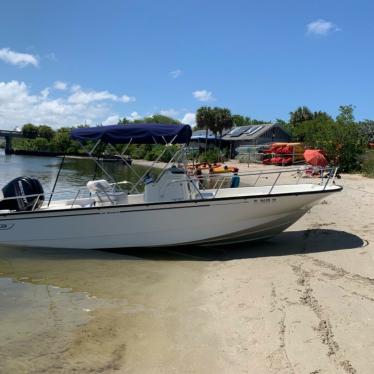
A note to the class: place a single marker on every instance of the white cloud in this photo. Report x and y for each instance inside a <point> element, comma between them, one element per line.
<point>126,99</point>
<point>133,116</point>
<point>189,119</point>
<point>203,95</point>
<point>45,93</point>
<point>17,58</point>
<point>19,106</point>
<point>80,96</point>
<point>175,73</point>
<point>321,27</point>
<point>111,120</point>
<point>61,86</point>
<point>169,113</point>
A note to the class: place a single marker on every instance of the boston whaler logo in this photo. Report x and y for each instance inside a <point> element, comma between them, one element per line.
<point>4,226</point>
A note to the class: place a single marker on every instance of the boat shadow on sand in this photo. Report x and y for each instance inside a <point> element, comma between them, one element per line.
<point>284,244</point>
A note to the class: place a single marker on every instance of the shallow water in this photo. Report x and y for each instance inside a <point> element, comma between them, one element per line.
<point>84,311</point>
<point>93,311</point>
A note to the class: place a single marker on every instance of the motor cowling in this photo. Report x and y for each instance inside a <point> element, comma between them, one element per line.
<point>22,187</point>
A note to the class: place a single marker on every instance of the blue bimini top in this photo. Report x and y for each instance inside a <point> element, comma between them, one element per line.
<point>142,133</point>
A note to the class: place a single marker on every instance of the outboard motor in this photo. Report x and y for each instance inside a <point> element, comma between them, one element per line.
<point>22,186</point>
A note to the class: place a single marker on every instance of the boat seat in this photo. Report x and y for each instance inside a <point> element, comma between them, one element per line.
<point>100,185</point>
<point>104,193</point>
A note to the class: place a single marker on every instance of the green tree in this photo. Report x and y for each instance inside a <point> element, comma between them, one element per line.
<point>30,131</point>
<point>321,114</point>
<point>61,142</point>
<point>311,131</point>
<point>280,122</point>
<point>45,132</point>
<point>300,115</point>
<point>367,129</point>
<point>342,140</point>
<point>259,122</point>
<point>40,145</point>
<point>239,120</point>
<point>123,121</point>
<point>160,118</point>
<point>222,120</point>
<point>345,116</point>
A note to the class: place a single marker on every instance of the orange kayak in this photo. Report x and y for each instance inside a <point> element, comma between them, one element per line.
<point>203,166</point>
<point>225,169</point>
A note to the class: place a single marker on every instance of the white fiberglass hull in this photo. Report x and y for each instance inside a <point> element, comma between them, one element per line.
<point>212,221</point>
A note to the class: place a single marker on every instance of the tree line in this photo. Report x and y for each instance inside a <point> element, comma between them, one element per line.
<point>44,138</point>
<point>343,139</point>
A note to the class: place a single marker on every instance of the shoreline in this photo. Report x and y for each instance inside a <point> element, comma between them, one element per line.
<point>290,304</point>
<point>145,163</point>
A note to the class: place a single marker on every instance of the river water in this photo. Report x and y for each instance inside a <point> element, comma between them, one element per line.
<point>90,311</point>
<point>74,172</point>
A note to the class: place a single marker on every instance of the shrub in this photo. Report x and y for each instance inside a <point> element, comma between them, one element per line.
<point>138,151</point>
<point>342,140</point>
<point>212,155</point>
<point>368,164</point>
<point>45,132</point>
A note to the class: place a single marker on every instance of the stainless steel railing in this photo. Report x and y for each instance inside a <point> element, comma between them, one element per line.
<point>216,181</point>
<point>326,176</point>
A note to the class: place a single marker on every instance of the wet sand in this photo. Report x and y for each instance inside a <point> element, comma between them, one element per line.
<point>302,302</point>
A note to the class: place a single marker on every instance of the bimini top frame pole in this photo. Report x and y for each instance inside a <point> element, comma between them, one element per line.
<point>90,153</point>
<point>140,180</point>
<point>147,133</point>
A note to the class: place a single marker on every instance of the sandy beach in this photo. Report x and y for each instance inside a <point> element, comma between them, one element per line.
<point>302,302</point>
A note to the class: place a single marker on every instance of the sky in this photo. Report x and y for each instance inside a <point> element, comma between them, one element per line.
<point>84,61</point>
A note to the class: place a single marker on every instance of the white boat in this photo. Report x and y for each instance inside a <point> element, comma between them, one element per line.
<point>173,210</point>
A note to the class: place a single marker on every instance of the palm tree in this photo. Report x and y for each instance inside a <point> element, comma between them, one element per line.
<point>223,120</point>
<point>205,120</point>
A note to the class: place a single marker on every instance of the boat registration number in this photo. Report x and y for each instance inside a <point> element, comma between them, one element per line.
<point>264,201</point>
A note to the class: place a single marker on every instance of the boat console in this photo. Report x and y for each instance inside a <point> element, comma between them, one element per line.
<point>170,186</point>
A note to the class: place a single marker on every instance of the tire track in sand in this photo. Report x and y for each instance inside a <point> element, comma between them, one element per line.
<point>324,327</point>
<point>279,359</point>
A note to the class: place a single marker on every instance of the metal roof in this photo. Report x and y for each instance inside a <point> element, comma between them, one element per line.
<point>200,134</point>
<point>248,132</point>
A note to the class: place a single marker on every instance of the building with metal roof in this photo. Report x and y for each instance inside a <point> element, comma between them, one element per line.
<point>242,136</point>
<point>256,135</point>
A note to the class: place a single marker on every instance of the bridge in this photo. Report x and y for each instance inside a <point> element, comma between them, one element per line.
<point>9,135</point>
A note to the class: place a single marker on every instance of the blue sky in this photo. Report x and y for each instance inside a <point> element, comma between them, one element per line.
<point>70,62</point>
